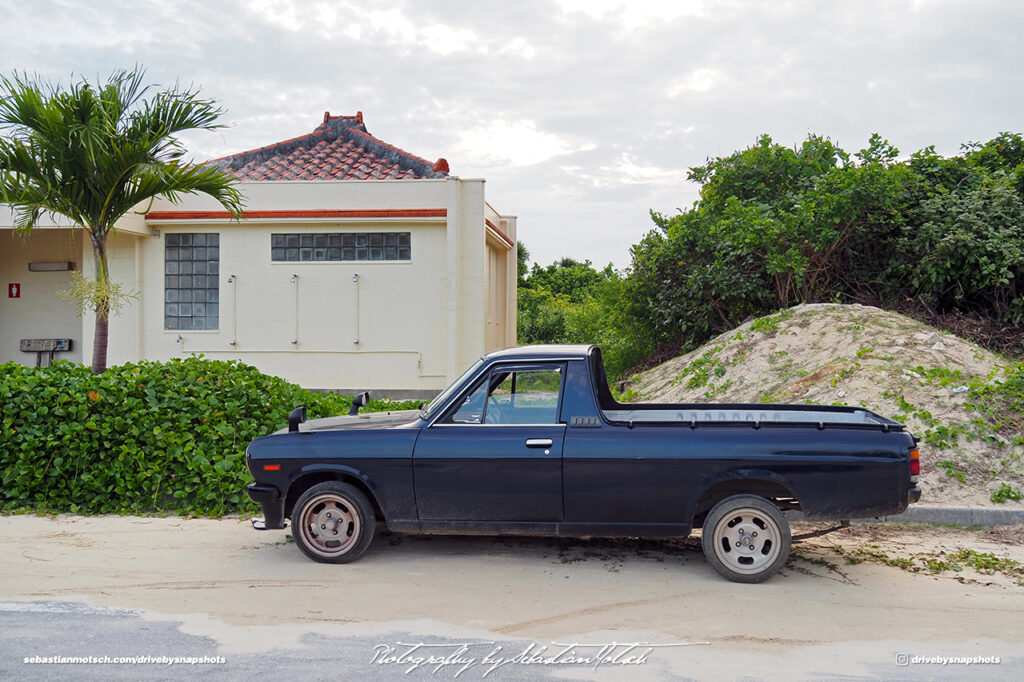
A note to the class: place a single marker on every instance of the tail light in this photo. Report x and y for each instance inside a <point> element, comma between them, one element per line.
<point>915,462</point>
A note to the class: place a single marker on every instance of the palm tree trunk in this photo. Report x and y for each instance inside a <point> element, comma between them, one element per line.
<point>99,349</point>
<point>101,334</point>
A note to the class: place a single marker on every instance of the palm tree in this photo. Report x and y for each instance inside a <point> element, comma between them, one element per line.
<point>93,153</point>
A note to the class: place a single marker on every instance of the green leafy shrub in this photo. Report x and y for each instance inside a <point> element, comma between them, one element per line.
<point>1005,492</point>
<point>952,469</point>
<point>1001,402</point>
<point>143,437</point>
<point>571,302</point>
<point>966,249</point>
<point>543,316</point>
<point>775,226</point>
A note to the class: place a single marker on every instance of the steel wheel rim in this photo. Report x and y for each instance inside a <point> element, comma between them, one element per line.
<point>747,541</point>
<point>330,525</point>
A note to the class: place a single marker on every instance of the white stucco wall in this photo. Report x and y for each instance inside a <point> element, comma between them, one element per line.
<point>418,323</point>
<point>38,313</point>
<point>389,310</point>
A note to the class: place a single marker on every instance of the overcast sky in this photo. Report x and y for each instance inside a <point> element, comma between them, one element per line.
<point>583,115</point>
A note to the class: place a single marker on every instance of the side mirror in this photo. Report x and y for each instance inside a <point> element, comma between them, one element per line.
<point>358,401</point>
<point>296,417</point>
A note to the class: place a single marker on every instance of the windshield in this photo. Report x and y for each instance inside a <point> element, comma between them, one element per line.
<point>443,396</point>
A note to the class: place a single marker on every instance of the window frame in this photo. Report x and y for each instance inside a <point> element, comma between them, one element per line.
<point>314,245</point>
<point>488,377</point>
<point>176,237</point>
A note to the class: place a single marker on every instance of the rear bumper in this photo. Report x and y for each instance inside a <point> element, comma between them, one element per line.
<point>271,503</point>
<point>913,494</point>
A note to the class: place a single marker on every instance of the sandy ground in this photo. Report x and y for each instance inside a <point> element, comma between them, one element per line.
<point>250,590</point>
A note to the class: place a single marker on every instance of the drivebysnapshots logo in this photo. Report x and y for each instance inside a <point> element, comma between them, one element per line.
<point>904,659</point>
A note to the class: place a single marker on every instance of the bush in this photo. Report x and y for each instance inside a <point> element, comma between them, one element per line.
<point>571,302</point>
<point>145,437</point>
<point>965,250</point>
<point>776,226</point>
<point>543,317</point>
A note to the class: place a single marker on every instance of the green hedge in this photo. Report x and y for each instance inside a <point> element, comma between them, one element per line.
<point>140,438</point>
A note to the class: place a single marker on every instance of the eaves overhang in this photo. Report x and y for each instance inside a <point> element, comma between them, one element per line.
<point>424,215</point>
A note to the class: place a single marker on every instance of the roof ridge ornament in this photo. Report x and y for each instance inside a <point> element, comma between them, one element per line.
<point>314,156</point>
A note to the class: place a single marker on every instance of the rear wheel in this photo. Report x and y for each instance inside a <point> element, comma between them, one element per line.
<point>333,523</point>
<point>746,538</point>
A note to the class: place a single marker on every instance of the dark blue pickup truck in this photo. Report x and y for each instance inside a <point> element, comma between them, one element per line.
<point>531,441</point>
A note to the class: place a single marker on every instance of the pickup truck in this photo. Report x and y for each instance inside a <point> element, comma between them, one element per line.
<point>531,441</point>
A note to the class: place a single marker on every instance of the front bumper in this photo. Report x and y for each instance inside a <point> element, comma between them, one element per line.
<point>272,504</point>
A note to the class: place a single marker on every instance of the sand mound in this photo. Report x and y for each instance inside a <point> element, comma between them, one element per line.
<point>933,382</point>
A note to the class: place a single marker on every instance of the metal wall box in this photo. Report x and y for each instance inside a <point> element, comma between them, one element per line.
<point>45,345</point>
<point>59,266</point>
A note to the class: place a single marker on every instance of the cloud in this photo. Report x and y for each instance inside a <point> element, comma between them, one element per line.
<point>635,14</point>
<point>518,143</point>
<point>581,114</point>
<point>282,13</point>
<point>631,171</point>
<point>699,81</point>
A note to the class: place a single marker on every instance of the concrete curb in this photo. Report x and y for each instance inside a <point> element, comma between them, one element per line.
<point>959,516</point>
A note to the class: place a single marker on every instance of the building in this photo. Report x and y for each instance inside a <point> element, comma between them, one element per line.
<point>356,266</point>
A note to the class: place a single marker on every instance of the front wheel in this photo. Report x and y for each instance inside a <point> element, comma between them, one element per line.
<point>746,538</point>
<point>333,523</point>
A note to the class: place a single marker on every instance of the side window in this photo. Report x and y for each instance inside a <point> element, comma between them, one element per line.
<point>528,396</point>
<point>472,409</point>
<point>192,280</point>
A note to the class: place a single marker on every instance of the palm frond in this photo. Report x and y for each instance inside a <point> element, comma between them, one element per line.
<point>93,152</point>
<point>171,180</point>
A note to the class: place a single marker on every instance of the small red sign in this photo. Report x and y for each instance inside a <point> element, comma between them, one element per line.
<point>14,290</point>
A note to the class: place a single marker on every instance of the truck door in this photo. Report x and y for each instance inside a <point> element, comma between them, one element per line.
<point>496,454</point>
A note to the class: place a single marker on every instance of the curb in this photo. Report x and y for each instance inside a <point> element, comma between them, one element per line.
<point>959,516</point>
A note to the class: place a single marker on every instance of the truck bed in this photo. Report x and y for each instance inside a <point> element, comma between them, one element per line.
<point>753,414</point>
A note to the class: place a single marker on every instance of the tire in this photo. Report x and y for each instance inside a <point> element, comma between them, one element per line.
<point>333,523</point>
<point>746,538</point>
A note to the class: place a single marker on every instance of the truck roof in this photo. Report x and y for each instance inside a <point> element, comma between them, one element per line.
<point>542,351</point>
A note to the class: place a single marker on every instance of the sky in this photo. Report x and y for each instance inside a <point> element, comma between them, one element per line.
<point>582,115</point>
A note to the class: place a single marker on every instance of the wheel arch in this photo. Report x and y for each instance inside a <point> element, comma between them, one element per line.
<point>306,478</point>
<point>767,484</point>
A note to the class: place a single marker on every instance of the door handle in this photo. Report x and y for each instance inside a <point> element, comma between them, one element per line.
<point>539,442</point>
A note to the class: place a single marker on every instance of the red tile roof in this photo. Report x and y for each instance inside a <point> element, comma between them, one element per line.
<point>339,149</point>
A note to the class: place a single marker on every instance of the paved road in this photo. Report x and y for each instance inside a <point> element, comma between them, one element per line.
<point>63,630</point>
<point>124,587</point>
